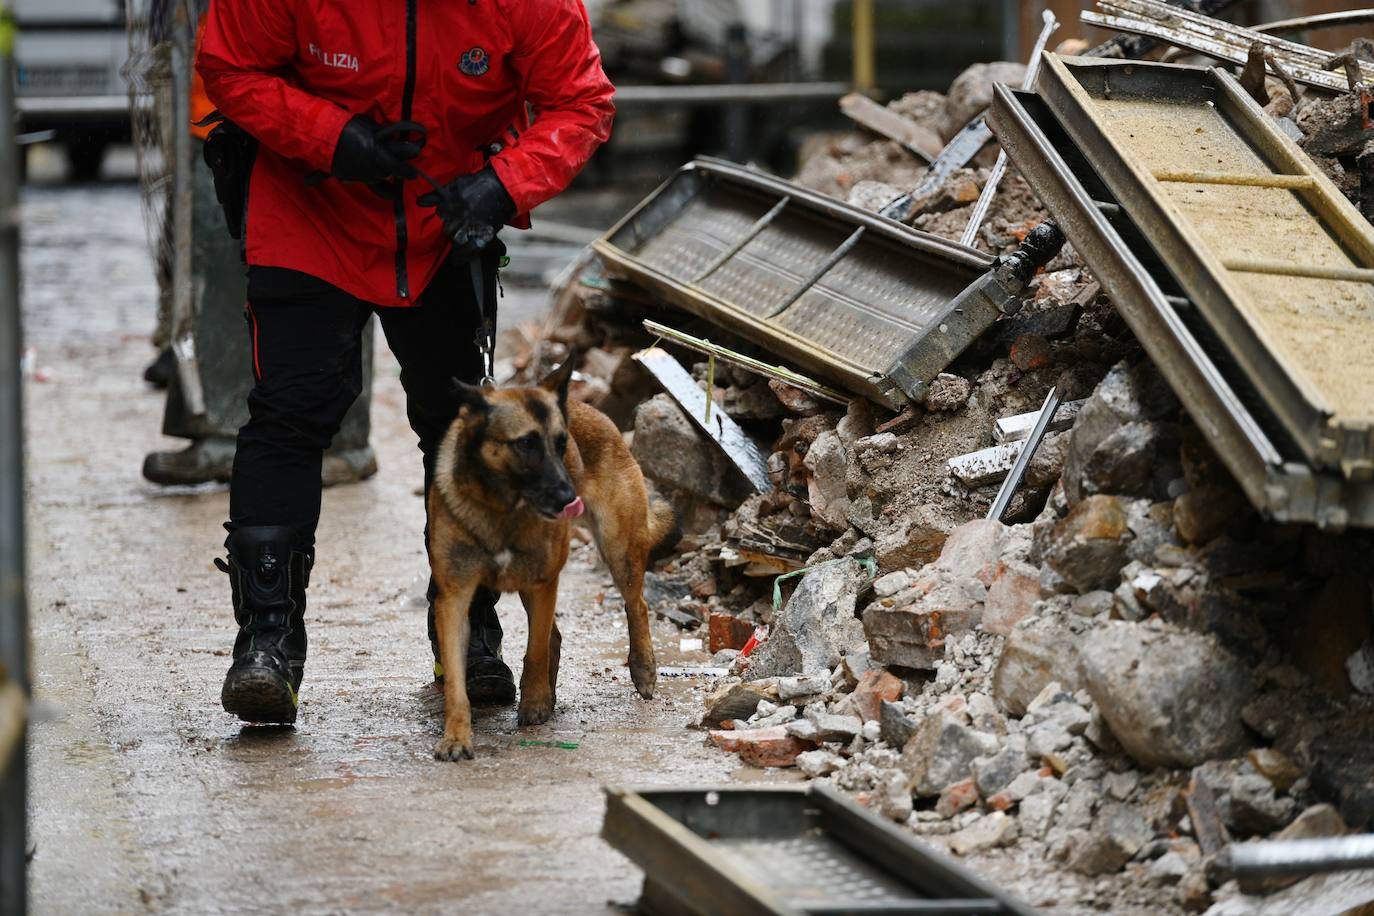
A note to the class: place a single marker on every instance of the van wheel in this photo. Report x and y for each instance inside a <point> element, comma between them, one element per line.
<point>84,158</point>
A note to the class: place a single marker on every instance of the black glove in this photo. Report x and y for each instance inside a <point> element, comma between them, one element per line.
<point>369,152</point>
<point>473,207</point>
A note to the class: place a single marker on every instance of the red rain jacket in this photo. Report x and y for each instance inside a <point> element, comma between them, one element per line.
<point>292,72</point>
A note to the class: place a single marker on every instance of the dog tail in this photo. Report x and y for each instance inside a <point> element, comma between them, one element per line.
<point>664,530</point>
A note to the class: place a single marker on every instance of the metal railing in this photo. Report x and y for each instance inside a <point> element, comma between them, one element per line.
<point>14,642</point>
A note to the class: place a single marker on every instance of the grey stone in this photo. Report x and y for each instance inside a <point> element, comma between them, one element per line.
<point>942,752</point>
<point>1118,834</point>
<point>1173,699</point>
<point>1037,651</point>
<point>909,629</point>
<point>671,451</point>
<point>995,773</point>
<point>831,727</point>
<point>735,701</point>
<point>1088,546</point>
<point>894,797</point>
<point>790,688</point>
<point>914,542</point>
<point>971,93</point>
<point>1048,737</point>
<point>1126,395</point>
<point>1067,714</point>
<point>897,727</point>
<point>1120,786</point>
<point>1076,810</point>
<point>819,763</point>
<point>1254,807</point>
<point>988,832</point>
<point>827,461</point>
<point>1123,463</point>
<point>817,626</point>
<point>1036,814</point>
<point>1168,869</point>
<point>1092,603</point>
<point>975,549</point>
<point>892,583</point>
<point>804,729</point>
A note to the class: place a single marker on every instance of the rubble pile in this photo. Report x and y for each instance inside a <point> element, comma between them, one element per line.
<point>1090,698</point>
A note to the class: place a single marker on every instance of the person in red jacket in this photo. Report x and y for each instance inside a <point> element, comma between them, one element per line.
<point>383,97</point>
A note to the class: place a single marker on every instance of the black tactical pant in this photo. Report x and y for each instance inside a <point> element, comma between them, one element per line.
<point>307,355</point>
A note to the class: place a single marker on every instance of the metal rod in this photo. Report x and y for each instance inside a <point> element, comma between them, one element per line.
<point>14,638</point>
<point>831,260</point>
<point>183,296</point>
<point>980,210</point>
<point>1290,269</point>
<point>1301,857</point>
<point>865,68</point>
<point>1023,460</point>
<point>1288,182</point>
<point>1319,21</point>
<point>750,93</point>
<point>759,225</point>
<point>724,354</point>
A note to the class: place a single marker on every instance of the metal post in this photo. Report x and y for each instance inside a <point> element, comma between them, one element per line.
<point>14,639</point>
<point>737,73</point>
<point>865,68</point>
<point>183,304</point>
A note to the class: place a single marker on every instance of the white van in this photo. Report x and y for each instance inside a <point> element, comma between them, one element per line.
<point>68,55</point>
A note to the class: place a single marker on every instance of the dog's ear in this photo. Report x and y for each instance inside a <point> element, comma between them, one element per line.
<point>558,380</point>
<point>462,395</point>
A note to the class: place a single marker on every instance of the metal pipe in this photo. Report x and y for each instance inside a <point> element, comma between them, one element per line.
<point>1300,857</point>
<point>865,69</point>
<point>1023,460</point>
<point>183,296</point>
<point>1319,21</point>
<point>746,93</point>
<point>14,639</point>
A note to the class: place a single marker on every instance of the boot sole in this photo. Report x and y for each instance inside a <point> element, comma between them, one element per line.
<point>491,691</point>
<point>259,696</point>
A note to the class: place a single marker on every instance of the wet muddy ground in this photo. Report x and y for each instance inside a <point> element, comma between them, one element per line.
<point>147,796</point>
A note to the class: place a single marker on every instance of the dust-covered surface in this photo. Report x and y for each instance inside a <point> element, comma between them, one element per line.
<point>148,797</point>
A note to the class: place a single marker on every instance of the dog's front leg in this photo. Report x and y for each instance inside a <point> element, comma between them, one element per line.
<point>451,621</point>
<point>537,679</point>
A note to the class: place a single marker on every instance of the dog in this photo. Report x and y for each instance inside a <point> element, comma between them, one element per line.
<point>514,469</point>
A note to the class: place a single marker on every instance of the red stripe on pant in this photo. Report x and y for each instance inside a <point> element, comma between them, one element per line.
<point>253,320</point>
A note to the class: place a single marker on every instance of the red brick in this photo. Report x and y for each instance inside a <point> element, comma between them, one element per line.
<point>763,747</point>
<point>875,686</point>
<point>956,797</point>
<point>727,631</point>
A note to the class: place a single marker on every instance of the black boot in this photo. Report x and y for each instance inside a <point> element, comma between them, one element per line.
<point>269,574</point>
<point>489,678</point>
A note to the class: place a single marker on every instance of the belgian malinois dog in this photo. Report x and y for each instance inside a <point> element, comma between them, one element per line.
<point>516,467</point>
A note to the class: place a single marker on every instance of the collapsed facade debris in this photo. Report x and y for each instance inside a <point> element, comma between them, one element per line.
<point>1162,647</point>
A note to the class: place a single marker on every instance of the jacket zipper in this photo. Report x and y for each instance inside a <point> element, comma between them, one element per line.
<point>407,97</point>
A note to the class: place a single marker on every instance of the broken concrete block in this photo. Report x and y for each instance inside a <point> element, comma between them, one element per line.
<point>896,726</point>
<point>819,763</point>
<point>975,549</point>
<point>1088,546</point>
<point>1315,821</point>
<point>735,701</point>
<point>671,451</point>
<point>1204,513</point>
<point>1172,698</point>
<point>1012,596</point>
<point>894,797</point>
<point>831,727</point>
<point>915,542</point>
<point>875,686</point>
<point>828,461</point>
<point>995,773</point>
<point>804,729</point>
<point>817,626</point>
<point>942,751</point>
<point>755,401</point>
<point>1038,651</point>
<point>1036,814</point>
<point>1046,738</point>
<point>971,93</point>
<point>990,831</point>
<point>791,688</point>
<point>892,583</point>
<point>985,466</point>
<point>1126,395</point>
<point>911,633</point>
<point>762,747</point>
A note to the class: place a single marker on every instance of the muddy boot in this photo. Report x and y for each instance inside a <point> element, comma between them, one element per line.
<point>206,460</point>
<point>489,679</point>
<point>269,575</point>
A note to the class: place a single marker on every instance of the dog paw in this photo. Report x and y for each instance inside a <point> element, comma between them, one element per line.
<point>535,710</point>
<point>453,749</point>
<point>645,678</point>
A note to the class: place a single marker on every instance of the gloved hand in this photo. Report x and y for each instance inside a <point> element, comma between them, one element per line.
<point>473,207</point>
<point>367,151</point>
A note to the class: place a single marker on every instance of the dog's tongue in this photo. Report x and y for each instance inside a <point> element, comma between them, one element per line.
<point>573,509</point>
